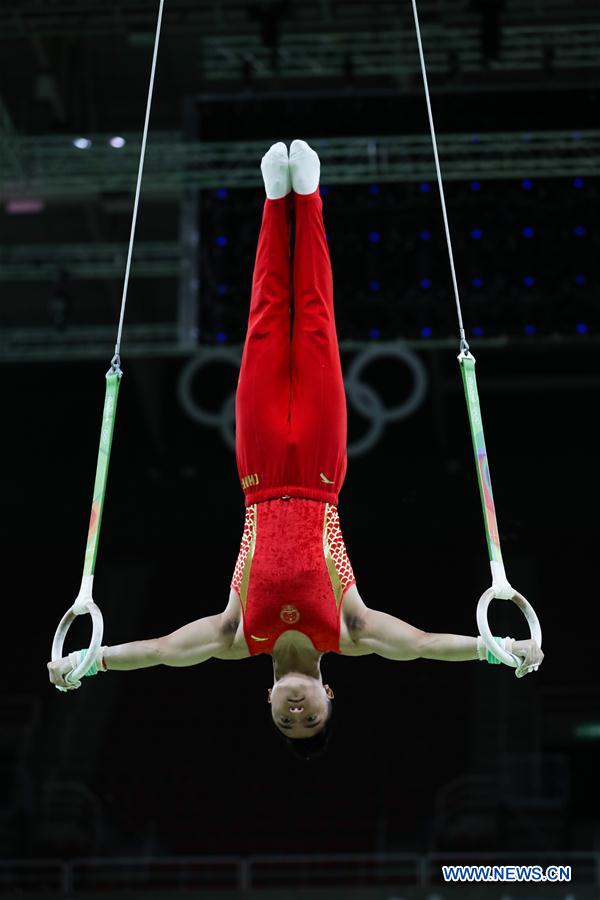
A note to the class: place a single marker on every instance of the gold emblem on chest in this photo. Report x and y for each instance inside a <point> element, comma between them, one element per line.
<point>289,614</point>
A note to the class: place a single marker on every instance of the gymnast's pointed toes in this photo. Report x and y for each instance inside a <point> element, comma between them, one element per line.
<point>275,170</point>
<point>278,150</point>
<point>305,167</point>
<point>297,147</point>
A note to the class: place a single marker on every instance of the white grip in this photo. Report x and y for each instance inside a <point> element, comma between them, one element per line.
<point>503,590</point>
<point>83,604</point>
<point>528,611</point>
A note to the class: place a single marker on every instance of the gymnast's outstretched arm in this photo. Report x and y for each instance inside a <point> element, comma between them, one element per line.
<point>191,644</point>
<point>207,638</point>
<point>372,631</point>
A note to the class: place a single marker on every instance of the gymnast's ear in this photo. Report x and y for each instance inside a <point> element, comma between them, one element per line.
<point>328,691</point>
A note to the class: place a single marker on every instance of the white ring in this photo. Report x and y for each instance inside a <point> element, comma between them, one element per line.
<point>95,643</point>
<point>528,611</point>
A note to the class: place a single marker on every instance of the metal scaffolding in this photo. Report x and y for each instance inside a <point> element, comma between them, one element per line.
<point>55,169</point>
<point>68,17</point>
<point>11,163</point>
<point>450,50</point>
<point>42,262</point>
<point>162,340</point>
<point>47,344</point>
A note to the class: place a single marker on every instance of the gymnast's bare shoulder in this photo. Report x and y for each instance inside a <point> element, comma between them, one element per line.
<point>234,644</point>
<point>365,630</point>
<point>352,624</point>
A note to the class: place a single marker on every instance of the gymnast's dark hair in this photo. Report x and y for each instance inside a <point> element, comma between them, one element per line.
<point>310,748</point>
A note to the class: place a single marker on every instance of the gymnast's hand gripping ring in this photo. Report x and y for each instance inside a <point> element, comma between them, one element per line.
<point>528,611</point>
<point>83,604</point>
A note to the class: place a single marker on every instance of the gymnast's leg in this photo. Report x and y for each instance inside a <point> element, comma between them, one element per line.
<point>263,393</point>
<point>318,415</point>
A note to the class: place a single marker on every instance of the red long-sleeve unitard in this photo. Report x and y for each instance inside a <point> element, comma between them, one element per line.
<point>292,569</point>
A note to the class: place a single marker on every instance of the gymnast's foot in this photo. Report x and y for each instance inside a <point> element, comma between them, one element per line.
<point>305,168</point>
<point>275,168</point>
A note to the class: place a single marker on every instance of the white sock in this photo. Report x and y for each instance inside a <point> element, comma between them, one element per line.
<point>275,168</point>
<point>305,168</point>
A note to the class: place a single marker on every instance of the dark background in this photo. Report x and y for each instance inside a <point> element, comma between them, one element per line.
<point>186,762</point>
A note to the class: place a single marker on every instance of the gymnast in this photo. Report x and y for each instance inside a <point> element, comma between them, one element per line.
<point>293,594</point>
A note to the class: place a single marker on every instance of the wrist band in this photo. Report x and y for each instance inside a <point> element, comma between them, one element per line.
<point>493,660</point>
<point>93,669</point>
<point>486,655</point>
<point>98,664</point>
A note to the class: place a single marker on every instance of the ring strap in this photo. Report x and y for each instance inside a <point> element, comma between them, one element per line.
<point>113,380</point>
<point>501,585</point>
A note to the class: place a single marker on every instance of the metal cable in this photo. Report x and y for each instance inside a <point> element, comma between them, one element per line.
<point>463,341</point>
<point>116,360</point>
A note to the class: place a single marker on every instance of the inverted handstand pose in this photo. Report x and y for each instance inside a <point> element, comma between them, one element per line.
<point>293,593</point>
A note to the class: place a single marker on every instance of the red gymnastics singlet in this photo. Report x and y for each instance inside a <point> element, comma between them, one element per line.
<point>292,573</point>
<point>292,570</point>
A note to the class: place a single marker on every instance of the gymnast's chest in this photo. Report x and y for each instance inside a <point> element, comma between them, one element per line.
<point>289,574</point>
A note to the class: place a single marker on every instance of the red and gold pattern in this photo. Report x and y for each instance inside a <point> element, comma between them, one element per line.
<point>241,574</point>
<point>292,572</point>
<point>335,550</point>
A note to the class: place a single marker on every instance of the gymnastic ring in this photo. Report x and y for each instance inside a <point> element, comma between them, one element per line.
<point>528,611</point>
<point>395,351</point>
<point>96,642</point>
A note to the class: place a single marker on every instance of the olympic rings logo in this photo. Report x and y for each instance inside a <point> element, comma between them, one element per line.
<point>366,401</point>
<point>362,397</point>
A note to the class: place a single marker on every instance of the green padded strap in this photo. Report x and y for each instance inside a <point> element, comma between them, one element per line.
<point>491,658</point>
<point>467,368</point>
<point>93,669</point>
<point>113,380</point>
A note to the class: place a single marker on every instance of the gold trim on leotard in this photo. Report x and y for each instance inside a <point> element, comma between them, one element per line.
<point>246,554</point>
<point>336,558</point>
<point>336,584</point>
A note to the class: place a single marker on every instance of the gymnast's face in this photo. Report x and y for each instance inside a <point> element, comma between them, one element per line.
<point>300,705</point>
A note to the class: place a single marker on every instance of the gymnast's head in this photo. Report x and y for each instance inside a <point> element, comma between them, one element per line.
<point>300,705</point>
